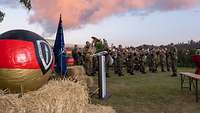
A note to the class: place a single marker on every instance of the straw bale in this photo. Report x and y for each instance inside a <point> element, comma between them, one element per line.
<point>58,96</point>
<point>55,97</point>
<point>77,73</point>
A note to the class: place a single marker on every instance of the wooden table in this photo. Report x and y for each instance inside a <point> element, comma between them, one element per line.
<point>192,77</point>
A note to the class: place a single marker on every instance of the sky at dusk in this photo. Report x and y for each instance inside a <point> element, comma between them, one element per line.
<point>127,22</point>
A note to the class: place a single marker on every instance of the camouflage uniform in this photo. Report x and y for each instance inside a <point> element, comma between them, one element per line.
<point>97,47</point>
<point>88,59</point>
<point>167,54</point>
<point>173,57</point>
<point>119,61</point>
<point>125,56</point>
<point>142,61</point>
<point>107,56</point>
<point>149,61</point>
<point>130,61</point>
<point>162,60</point>
<point>153,58</point>
<point>136,60</point>
<point>114,56</point>
<point>157,58</point>
<point>128,58</point>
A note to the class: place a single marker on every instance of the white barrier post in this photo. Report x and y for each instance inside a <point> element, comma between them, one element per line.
<point>102,75</point>
<point>102,78</point>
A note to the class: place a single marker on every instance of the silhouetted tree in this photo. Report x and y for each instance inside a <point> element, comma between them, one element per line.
<point>1,16</point>
<point>26,3</point>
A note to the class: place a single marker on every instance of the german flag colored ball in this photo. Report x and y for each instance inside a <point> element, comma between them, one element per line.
<point>25,61</point>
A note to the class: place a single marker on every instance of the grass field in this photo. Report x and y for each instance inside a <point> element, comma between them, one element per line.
<point>149,93</point>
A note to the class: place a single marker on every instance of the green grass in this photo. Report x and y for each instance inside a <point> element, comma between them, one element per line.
<point>149,93</point>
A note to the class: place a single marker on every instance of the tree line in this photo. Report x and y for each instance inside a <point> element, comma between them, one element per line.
<point>185,52</point>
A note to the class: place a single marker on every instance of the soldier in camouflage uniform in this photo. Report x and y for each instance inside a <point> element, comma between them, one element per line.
<point>130,61</point>
<point>142,61</point>
<point>128,58</point>
<point>167,54</point>
<point>149,60</point>
<point>107,56</point>
<point>98,47</point>
<point>114,56</point>
<point>153,58</point>
<point>137,60</point>
<point>173,57</point>
<point>119,61</point>
<point>125,55</point>
<point>157,58</point>
<point>162,59</point>
<point>87,57</point>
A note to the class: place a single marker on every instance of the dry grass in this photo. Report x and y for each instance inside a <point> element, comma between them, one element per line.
<point>99,109</point>
<point>150,93</point>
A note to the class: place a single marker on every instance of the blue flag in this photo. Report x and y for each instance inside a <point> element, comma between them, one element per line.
<point>59,53</point>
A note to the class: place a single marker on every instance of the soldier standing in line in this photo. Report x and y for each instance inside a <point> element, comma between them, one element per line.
<point>136,60</point>
<point>130,61</point>
<point>173,57</point>
<point>167,54</point>
<point>154,60</point>
<point>97,47</point>
<point>133,55</point>
<point>119,61</point>
<point>80,53</point>
<point>87,54</point>
<point>142,61</point>
<point>114,56</point>
<point>149,60</point>
<point>157,58</point>
<point>125,56</point>
<point>162,59</point>
<point>75,55</point>
<point>107,56</point>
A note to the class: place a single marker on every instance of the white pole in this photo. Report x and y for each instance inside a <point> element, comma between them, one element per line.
<point>102,78</point>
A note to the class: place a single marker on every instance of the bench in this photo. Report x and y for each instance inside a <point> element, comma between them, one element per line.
<point>192,77</point>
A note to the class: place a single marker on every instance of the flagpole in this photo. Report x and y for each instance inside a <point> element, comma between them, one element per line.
<point>59,49</point>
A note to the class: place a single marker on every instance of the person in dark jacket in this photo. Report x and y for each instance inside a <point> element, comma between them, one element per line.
<point>75,55</point>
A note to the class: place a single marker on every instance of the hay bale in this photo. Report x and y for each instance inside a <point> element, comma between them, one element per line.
<point>55,97</point>
<point>77,73</point>
<point>58,96</point>
<point>90,82</point>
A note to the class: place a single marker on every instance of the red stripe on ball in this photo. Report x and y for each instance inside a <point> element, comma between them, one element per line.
<point>18,54</point>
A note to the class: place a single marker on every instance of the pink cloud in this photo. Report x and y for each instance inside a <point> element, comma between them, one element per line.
<point>77,13</point>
